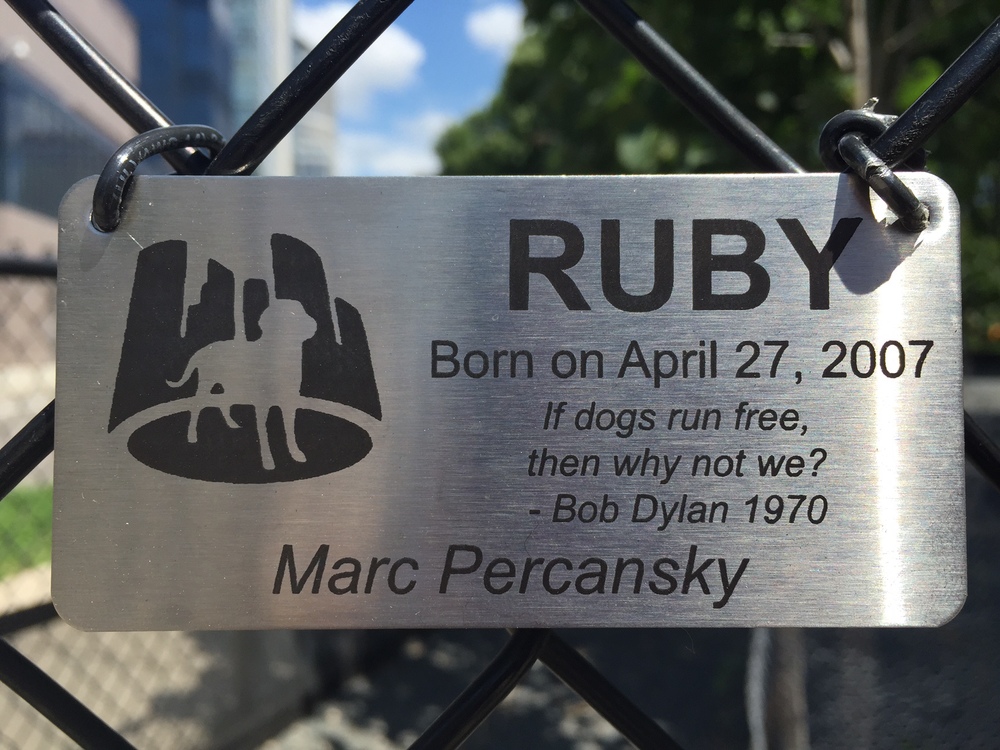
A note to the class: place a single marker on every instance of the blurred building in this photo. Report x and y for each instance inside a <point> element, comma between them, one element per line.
<point>214,62</point>
<point>262,57</point>
<point>53,129</point>
<point>314,137</point>
<point>186,58</point>
<point>265,51</point>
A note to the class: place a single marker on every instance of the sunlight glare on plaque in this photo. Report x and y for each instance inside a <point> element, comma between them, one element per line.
<point>887,437</point>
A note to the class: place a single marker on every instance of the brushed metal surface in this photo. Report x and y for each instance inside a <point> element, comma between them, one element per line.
<point>341,286</point>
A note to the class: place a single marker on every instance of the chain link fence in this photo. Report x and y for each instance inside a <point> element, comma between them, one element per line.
<point>913,689</point>
<point>159,689</point>
<point>27,357</point>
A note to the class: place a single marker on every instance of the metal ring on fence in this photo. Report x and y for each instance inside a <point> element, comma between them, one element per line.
<point>843,144</point>
<point>109,193</point>
<point>913,214</point>
<point>867,123</point>
<point>864,122</point>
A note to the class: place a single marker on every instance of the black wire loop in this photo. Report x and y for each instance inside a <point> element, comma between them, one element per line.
<point>867,123</point>
<point>587,681</point>
<point>109,194</point>
<point>914,216</point>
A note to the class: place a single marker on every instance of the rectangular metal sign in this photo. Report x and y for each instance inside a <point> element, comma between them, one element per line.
<point>661,401</point>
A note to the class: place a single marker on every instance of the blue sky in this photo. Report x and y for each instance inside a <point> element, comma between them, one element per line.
<point>440,61</point>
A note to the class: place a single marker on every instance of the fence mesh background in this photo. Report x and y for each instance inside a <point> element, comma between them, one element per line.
<point>27,357</point>
<point>160,690</point>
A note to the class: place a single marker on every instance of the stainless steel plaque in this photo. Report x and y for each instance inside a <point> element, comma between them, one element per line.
<point>670,401</point>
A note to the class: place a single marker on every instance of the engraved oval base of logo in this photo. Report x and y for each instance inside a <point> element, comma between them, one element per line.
<point>239,455</point>
<point>245,375</point>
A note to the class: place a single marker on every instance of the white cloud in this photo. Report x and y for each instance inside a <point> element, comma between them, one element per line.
<point>496,28</point>
<point>407,148</point>
<point>427,126</point>
<point>392,63</point>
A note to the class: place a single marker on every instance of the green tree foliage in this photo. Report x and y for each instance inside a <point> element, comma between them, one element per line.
<point>572,101</point>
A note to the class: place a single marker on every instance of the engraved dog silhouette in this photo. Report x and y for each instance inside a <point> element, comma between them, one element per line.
<point>264,373</point>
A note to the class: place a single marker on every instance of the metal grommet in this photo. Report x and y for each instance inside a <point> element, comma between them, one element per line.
<point>913,215</point>
<point>114,180</point>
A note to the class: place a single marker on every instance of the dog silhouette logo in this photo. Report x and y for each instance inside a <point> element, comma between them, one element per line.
<point>246,374</point>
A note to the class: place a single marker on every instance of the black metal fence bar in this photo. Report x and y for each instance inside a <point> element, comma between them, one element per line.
<point>27,448</point>
<point>688,85</point>
<point>942,99</point>
<point>306,85</point>
<point>101,76</point>
<point>587,682</point>
<point>26,618</point>
<point>485,693</point>
<point>18,265</point>
<point>981,451</point>
<point>51,700</point>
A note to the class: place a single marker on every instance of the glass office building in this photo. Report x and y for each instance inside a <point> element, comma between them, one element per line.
<point>44,147</point>
<point>186,59</point>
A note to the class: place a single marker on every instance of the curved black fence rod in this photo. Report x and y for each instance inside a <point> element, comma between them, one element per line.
<point>27,448</point>
<point>981,451</point>
<point>688,85</point>
<point>485,693</point>
<point>587,682</point>
<point>102,77</point>
<point>306,85</point>
<point>51,700</point>
<point>942,99</point>
<point>19,265</point>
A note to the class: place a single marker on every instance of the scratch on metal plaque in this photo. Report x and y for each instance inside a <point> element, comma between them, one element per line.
<point>725,400</point>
